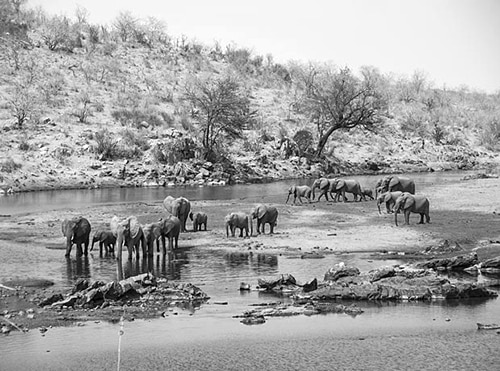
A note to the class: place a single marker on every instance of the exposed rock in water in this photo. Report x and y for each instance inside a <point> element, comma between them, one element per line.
<point>444,247</point>
<point>340,270</point>
<point>402,285</point>
<point>460,262</point>
<point>491,265</point>
<point>91,295</point>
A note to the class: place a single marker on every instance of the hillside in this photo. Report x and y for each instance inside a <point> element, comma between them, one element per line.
<point>81,103</point>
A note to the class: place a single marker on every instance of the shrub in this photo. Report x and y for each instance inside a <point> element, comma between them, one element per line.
<point>107,147</point>
<point>174,150</point>
<point>24,145</point>
<point>304,141</point>
<point>134,117</point>
<point>9,165</point>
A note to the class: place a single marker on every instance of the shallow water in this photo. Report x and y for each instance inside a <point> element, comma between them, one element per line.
<point>387,336</point>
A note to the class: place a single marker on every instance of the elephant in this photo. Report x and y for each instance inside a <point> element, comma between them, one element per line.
<point>299,191</point>
<point>389,198</point>
<point>152,233</point>
<point>106,239</point>
<point>393,183</point>
<point>323,184</point>
<point>128,231</point>
<point>367,192</point>
<point>178,207</point>
<point>199,219</point>
<point>170,228</point>
<point>341,186</point>
<point>409,203</point>
<point>265,214</point>
<point>77,231</point>
<point>238,220</point>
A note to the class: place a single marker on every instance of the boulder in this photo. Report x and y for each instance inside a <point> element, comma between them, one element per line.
<point>491,265</point>
<point>460,262</point>
<point>340,270</point>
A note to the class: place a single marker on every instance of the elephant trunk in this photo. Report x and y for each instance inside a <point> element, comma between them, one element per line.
<point>378,205</point>
<point>396,217</point>
<point>119,243</point>
<point>93,241</point>
<point>250,220</point>
<point>227,229</point>
<point>288,198</point>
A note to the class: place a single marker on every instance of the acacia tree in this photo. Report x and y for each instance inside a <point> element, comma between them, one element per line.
<point>336,99</point>
<point>222,108</point>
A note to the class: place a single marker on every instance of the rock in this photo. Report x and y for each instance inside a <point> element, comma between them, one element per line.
<point>340,270</point>
<point>380,273</point>
<point>455,263</point>
<point>491,264</point>
<point>51,299</point>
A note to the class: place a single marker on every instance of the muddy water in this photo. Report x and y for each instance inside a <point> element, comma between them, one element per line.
<point>387,336</point>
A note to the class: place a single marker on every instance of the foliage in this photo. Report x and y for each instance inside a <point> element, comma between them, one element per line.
<point>221,108</point>
<point>9,165</point>
<point>107,147</point>
<point>336,99</point>
<point>304,141</point>
<point>175,149</point>
<point>136,116</point>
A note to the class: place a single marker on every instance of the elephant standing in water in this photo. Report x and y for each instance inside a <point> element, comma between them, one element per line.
<point>199,220</point>
<point>299,191</point>
<point>130,232</point>
<point>170,228</point>
<point>77,231</point>
<point>341,186</point>
<point>152,233</point>
<point>178,207</point>
<point>238,220</point>
<point>389,198</point>
<point>392,183</point>
<point>409,203</point>
<point>106,239</point>
<point>265,214</point>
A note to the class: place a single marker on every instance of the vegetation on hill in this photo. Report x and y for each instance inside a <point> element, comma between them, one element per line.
<point>92,105</point>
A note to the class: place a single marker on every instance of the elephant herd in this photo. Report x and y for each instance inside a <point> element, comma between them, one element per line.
<point>397,192</point>
<point>137,237</point>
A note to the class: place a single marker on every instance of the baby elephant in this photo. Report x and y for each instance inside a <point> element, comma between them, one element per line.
<point>106,239</point>
<point>367,192</point>
<point>199,219</point>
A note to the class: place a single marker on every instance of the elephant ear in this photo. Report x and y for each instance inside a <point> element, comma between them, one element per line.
<point>168,203</point>
<point>393,182</point>
<point>113,225</point>
<point>156,230</point>
<point>261,211</point>
<point>387,196</point>
<point>324,183</point>
<point>340,184</point>
<point>408,201</point>
<point>133,226</point>
<point>293,189</point>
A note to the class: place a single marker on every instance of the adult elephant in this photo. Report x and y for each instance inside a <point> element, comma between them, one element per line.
<point>199,220</point>
<point>392,183</point>
<point>77,231</point>
<point>265,214</point>
<point>409,203</point>
<point>178,207</point>
<point>389,198</point>
<point>238,220</point>
<point>299,192</point>
<point>341,186</point>
<point>170,228</point>
<point>323,184</point>
<point>106,240</point>
<point>129,232</point>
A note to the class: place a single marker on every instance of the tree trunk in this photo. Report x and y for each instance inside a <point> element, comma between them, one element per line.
<point>324,139</point>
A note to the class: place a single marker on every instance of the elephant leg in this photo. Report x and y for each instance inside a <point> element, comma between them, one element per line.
<point>79,249</point>
<point>101,246</point>
<point>241,231</point>
<point>130,249</point>
<point>176,242</point>
<point>428,218</point>
<point>205,226</point>
<point>407,217</point>
<point>86,251</point>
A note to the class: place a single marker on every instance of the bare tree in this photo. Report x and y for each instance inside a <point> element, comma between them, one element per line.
<point>222,108</point>
<point>336,99</point>
<point>125,24</point>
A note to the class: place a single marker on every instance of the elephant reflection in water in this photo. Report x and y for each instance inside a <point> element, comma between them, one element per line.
<point>77,268</point>
<point>163,265</point>
<point>255,261</point>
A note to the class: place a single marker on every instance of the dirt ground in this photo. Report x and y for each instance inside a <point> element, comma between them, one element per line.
<point>464,213</point>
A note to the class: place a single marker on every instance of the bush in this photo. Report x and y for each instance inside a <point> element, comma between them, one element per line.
<point>107,147</point>
<point>134,117</point>
<point>304,141</point>
<point>174,150</point>
<point>9,165</point>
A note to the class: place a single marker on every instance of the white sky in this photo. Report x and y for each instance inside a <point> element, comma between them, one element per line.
<point>456,42</point>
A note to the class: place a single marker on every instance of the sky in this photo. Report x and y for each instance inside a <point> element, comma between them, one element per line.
<point>454,42</point>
